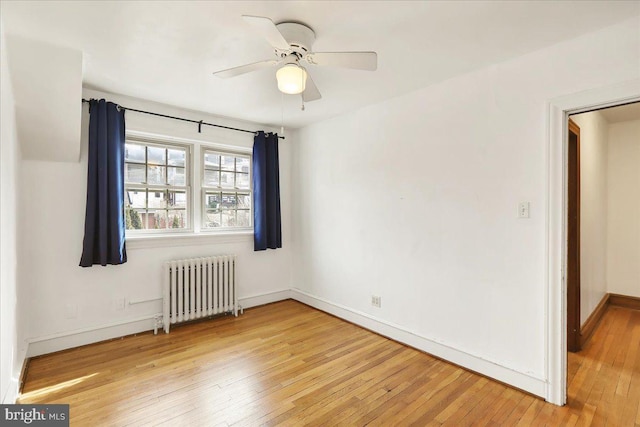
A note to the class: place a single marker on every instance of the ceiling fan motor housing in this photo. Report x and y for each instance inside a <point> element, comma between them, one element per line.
<point>299,36</point>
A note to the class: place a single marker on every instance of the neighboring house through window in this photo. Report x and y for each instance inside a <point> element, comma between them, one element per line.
<point>159,197</point>
<point>227,190</point>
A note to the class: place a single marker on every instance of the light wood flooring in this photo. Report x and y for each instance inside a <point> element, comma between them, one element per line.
<point>289,364</point>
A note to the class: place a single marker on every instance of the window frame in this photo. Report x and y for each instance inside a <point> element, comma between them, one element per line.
<point>204,189</point>
<point>165,143</point>
<point>195,233</point>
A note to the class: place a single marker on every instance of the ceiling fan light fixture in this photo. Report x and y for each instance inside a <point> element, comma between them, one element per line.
<point>292,79</point>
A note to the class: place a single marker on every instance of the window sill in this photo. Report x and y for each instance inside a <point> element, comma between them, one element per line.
<point>188,239</point>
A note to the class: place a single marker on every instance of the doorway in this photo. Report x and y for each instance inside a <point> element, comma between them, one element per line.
<point>559,110</point>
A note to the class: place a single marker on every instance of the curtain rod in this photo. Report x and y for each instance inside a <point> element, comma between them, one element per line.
<point>200,123</point>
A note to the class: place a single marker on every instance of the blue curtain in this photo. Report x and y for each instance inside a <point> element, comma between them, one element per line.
<point>267,229</point>
<point>104,221</point>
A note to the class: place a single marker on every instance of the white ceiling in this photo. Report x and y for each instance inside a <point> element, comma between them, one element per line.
<point>622,113</point>
<point>165,51</point>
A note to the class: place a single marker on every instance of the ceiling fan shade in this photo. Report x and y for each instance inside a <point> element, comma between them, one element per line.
<point>292,79</point>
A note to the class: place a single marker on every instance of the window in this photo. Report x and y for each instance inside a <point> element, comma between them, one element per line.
<point>167,192</point>
<point>226,188</point>
<point>156,181</point>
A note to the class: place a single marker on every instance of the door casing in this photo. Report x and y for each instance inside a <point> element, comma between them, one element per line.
<point>555,311</point>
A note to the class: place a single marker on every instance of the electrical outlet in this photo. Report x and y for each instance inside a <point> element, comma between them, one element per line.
<point>376,301</point>
<point>523,210</point>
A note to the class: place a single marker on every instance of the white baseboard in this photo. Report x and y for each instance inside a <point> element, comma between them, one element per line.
<point>266,298</point>
<point>70,339</point>
<point>12,392</point>
<point>472,362</point>
<point>79,337</point>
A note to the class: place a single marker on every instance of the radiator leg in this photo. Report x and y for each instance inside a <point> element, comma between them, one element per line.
<point>158,322</point>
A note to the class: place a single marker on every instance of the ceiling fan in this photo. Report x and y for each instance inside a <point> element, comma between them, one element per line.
<point>292,44</point>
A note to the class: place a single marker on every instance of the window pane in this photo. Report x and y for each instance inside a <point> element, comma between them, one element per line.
<point>133,173</point>
<point>177,199</point>
<point>156,175</point>
<point>133,219</point>
<point>144,215</point>
<point>212,218</point>
<point>212,161</point>
<point>242,164</point>
<point>176,157</point>
<point>228,201</point>
<point>242,180</point>
<point>212,200</point>
<point>151,208</point>
<point>244,201</point>
<point>228,218</point>
<point>177,219</point>
<point>157,220</point>
<point>156,156</point>
<point>135,198</point>
<point>176,176</point>
<point>157,199</point>
<point>228,163</point>
<point>226,179</point>
<point>211,178</point>
<point>244,218</point>
<point>134,153</point>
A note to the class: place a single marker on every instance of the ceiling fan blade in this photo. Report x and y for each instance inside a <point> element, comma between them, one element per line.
<point>236,71</point>
<point>311,92</point>
<point>267,29</point>
<point>358,60</point>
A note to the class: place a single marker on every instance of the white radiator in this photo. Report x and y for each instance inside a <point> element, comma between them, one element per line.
<point>199,287</point>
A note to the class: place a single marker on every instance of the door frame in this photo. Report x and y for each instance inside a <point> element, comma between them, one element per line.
<point>573,248</point>
<point>558,110</point>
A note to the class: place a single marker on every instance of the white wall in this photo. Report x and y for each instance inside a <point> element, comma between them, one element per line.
<point>415,199</point>
<point>52,226</point>
<point>47,113</point>
<point>623,261</point>
<point>594,130</point>
<point>11,350</point>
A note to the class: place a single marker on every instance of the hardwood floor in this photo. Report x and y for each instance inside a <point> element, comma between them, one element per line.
<point>288,364</point>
